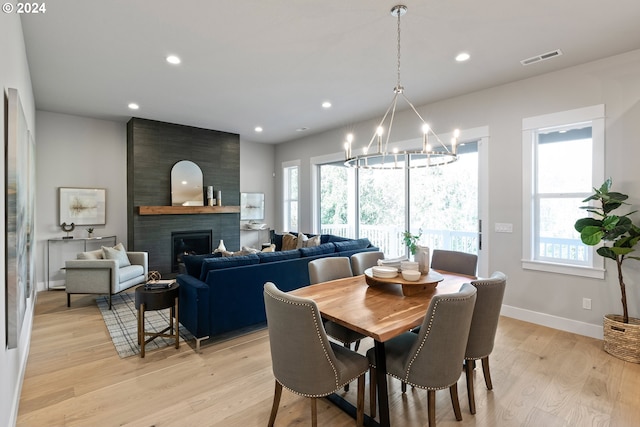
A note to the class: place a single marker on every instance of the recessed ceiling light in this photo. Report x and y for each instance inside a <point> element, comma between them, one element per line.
<point>326,104</point>
<point>463,56</point>
<point>258,129</point>
<point>302,129</point>
<point>134,106</point>
<point>172,59</point>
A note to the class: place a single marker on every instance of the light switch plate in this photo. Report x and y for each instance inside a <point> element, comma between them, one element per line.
<point>503,227</point>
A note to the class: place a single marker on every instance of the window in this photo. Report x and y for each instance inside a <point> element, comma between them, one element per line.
<point>382,195</point>
<point>444,202</point>
<point>337,201</point>
<point>291,195</point>
<point>563,159</point>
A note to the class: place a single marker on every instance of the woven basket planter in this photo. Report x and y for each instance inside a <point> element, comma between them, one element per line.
<point>622,340</point>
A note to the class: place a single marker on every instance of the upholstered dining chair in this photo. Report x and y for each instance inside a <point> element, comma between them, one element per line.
<point>454,262</point>
<point>483,329</point>
<point>304,361</point>
<point>363,260</point>
<point>332,268</point>
<point>432,358</point>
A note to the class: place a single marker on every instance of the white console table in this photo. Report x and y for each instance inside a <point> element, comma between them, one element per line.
<point>60,250</point>
<point>254,238</point>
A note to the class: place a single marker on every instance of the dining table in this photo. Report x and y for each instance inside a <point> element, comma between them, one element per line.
<point>380,311</point>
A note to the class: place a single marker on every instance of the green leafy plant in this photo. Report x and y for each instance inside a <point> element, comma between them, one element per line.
<point>617,233</point>
<point>411,241</point>
<point>90,230</point>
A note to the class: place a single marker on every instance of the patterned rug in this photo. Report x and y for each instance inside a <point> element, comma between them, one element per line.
<point>122,323</point>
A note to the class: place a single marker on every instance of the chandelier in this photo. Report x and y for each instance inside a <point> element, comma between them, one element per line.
<point>385,158</point>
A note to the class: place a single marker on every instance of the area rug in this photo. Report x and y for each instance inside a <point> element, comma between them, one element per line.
<point>122,323</point>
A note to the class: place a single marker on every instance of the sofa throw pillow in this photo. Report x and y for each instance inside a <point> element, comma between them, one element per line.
<point>118,255</point>
<point>310,242</point>
<point>301,241</point>
<point>97,254</point>
<point>289,242</point>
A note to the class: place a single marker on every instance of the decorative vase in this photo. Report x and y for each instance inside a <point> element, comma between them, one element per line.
<point>422,258</point>
<point>90,235</point>
<point>221,246</point>
<point>622,340</point>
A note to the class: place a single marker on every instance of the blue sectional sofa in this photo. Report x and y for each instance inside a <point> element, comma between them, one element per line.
<point>222,294</point>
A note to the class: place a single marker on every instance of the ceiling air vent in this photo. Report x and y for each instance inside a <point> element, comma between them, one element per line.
<point>542,57</point>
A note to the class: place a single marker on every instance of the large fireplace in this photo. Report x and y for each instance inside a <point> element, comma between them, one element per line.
<point>188,243</point>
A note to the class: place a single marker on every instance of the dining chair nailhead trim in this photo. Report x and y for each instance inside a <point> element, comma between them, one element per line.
<point>422,343</point>
<point>319,335</point>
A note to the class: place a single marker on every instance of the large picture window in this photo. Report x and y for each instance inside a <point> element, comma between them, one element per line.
<point>291,173</point>
<point>563,157</point>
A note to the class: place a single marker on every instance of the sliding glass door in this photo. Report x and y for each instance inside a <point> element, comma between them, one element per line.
<point>441,203</point>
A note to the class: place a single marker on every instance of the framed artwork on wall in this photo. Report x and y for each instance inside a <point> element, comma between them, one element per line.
<point>19,196</point>
<point>82,206</point>
<point>251,206</point>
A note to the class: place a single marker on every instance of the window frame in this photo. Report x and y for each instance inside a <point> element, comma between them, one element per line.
<point>530,126</point>
<point>286,194</point>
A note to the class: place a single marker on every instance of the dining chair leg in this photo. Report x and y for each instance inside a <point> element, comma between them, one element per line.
<point>403,387</point>
<point>346,345</point>
<point>357,346</point>
<point>276,402</point>
<point>372,392</point>
<point>314,412</point>
<point>453,391</point>
<point>360,402</point>
<point>487,374</point>
<point>468,371</point>
<point>431,407</point>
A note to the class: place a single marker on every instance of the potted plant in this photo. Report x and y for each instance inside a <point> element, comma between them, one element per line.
<point>411,240</point>
<point>420,253</point>
<point>90,231</point>
<point>618,236</point>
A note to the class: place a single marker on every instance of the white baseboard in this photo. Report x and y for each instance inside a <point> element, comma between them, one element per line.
<point>25,345</point>
<point>555,322</point>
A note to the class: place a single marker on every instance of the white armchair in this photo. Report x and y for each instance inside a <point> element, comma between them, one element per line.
<point>92,274</point>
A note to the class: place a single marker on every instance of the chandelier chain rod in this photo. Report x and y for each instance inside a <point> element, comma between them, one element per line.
<point>398,85</point>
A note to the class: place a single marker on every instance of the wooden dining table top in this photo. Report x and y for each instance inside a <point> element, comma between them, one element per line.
<point>380,312</point>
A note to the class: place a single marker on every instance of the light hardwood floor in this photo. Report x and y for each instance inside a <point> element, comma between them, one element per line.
<point>541,377</point>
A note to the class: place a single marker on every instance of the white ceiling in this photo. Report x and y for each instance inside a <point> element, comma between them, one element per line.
<point>273,62</point>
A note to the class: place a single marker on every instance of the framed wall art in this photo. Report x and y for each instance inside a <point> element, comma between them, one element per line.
<point>251,206</point>
<point>82,206</point>
<point>19,196</point>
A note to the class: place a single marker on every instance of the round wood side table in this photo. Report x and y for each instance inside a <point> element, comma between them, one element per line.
<point>157,299</point>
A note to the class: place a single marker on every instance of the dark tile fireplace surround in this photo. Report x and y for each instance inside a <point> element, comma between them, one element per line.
<point>152,149</point>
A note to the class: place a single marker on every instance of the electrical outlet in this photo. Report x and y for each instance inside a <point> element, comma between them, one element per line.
<point>586,303</point>
<point>502,227</point>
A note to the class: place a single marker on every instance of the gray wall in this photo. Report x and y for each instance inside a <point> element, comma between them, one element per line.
<point>14,73</point>
<point>77,151</point>
<point>546,298</point>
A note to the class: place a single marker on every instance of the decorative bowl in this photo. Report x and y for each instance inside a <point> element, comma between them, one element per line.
<point>411,275</point>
